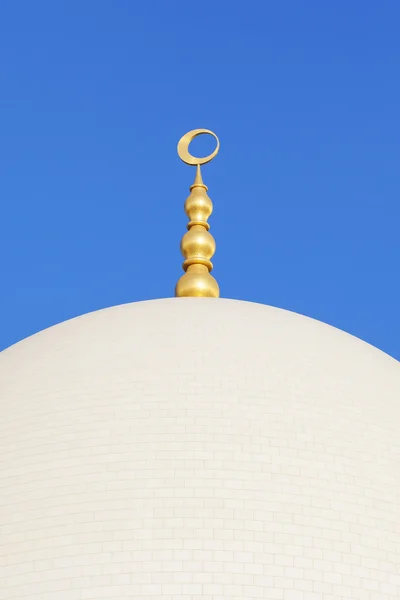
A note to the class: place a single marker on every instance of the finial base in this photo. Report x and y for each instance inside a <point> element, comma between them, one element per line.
<point>198,282</point>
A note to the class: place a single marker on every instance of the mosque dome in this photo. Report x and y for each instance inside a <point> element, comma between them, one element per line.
<point>198,449</point>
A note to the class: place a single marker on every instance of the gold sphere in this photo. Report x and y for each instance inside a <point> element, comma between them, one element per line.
<point>198,242</point>
<point>198,205</point>
<point>197,281</point>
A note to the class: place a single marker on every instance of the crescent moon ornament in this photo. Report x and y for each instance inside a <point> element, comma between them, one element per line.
<point>183,148</point>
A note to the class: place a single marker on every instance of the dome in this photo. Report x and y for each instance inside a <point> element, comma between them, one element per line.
<point>198,449</point>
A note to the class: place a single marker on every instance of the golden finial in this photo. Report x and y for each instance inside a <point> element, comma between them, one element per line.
<point>197,245</point>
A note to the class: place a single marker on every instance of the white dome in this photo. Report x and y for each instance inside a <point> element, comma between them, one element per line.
<point>192,449</point>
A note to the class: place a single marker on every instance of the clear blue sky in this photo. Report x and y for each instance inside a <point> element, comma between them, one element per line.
<point>305,98</point>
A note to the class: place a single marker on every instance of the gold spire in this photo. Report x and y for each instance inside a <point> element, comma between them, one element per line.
<point>197,245</point>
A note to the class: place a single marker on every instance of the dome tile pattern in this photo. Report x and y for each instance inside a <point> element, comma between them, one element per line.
<point>189,449</point>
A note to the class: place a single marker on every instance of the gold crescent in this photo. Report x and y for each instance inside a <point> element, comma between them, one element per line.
<point>183,147</point>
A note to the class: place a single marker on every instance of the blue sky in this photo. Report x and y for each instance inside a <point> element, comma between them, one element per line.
<point>305,98</point>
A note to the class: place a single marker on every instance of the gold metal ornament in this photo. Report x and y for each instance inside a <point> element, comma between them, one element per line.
<point>183,147</point>
<point>197,245</point>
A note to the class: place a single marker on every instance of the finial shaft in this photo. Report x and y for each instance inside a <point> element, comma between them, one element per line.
<point>197,245</point>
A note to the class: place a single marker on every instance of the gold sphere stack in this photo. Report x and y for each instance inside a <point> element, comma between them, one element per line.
<point>197,245</point>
